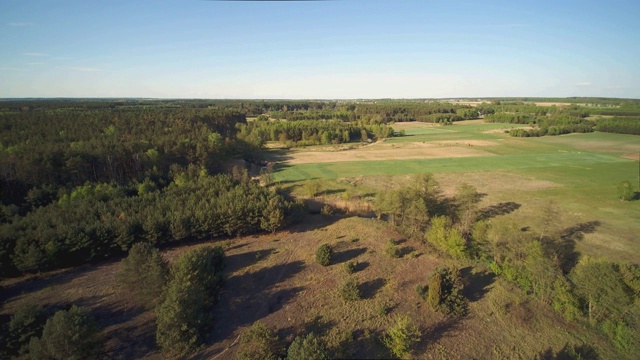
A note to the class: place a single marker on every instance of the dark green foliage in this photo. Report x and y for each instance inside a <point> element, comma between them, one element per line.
<point>402,336</point>
<point>309,347</point>
<point>259,342</point>
<point>600,285</point>
<point>184,318</point>
<point>609,293</point>
<point>71,334</point>
<point>27,322</point>
<point>89,179</point>
<point>323,254</point>
<point>350,290</point>
<point>444,292</point>
<point>144,273</point>
<point>195,206</point>
<point>620,125</point>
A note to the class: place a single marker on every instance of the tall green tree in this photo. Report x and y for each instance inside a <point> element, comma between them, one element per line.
<point>184,318</point>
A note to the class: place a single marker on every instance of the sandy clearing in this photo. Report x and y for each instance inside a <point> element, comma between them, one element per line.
<point>424,151</point>
<point>552,104</point>
<point>467,143</point>
<point>632,156</point>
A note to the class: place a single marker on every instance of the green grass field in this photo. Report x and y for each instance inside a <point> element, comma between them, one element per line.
<point>584,170</point>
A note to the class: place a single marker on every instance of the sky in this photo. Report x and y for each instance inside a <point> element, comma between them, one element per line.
<point>338,49</point>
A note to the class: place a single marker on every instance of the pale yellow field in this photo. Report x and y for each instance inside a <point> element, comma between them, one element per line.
<point>386,151</point>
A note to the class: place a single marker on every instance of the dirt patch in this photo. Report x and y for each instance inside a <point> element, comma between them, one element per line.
<point>552,104</point>
<point>632,156</point>
<point>467,143</point>
<point>386,152</point>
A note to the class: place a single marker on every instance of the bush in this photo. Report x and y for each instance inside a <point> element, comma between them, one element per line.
<point>350,267</point>
<point>185,317</point>
<point>259,342</point>
<point>401,337</point>
<point>144,273</point>
<point>27,322</point>
<point>327,210</point>
<point>446,238</point>
<point>307,348</point>
<point>391,250</point>
<point>444,292</point>
<point>71,334</point>
<point>323,254</point>
<point>350,290</point>
<point>626,191</point>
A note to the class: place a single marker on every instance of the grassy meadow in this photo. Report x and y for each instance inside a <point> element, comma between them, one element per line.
<point>579,172</point>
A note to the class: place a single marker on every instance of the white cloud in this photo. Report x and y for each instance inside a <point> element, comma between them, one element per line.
<point>35,63</point>
<point>85,69</point>
<point>584,83</point>
<point>20,24</point>
<point>35,54</point>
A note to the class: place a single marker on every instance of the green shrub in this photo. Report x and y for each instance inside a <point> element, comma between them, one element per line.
<point>185,317</point>
<point>446,238</point>
<point>71,334</point>
<point>350,267</point>
<point>144,273</point>
<point>401,337</point>
<point>259,342</point>
<point>27,322</point>
<point>626,191</point>
<point>350,290</point>
<point>327,210</point>
<point>444,292</point>
<point>391,250</point>
<point>309,347</point>
<point>323,254</point>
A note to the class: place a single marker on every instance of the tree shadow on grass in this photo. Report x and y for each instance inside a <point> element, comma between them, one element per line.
<point>406,250</point>
<point>569,352</point>
<point>478,283</point>
<point>503,208</point>
<point>238,261</point>
<point>565,246</point>
<point>251,296</point>
<point>368,344</point>
<point>437,331</point>
<point>34,283</point>
<point>346,255</point>
<point>361,265</point>
<point>368,289</point>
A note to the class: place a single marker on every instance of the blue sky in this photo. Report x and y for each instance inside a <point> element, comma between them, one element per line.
<point>319,49</point>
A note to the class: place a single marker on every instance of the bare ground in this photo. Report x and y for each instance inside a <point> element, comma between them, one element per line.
<point>388,151</point>
<point>274,278</point>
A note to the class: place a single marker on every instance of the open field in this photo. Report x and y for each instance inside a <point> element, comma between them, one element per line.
<point>579,171</point>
